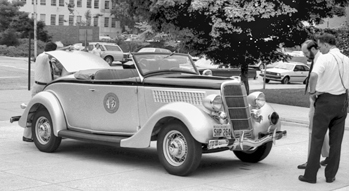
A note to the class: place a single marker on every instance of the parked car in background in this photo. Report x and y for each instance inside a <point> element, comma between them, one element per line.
<point>287,72</point>
<point>161,98</point>
<point>111,52</point>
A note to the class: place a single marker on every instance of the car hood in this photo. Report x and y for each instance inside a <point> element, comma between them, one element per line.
<point>74,61</point>
<point>187,81</point>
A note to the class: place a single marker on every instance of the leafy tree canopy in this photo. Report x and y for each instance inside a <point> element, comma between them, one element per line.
<point>18,21</point>
<point>236,32</point>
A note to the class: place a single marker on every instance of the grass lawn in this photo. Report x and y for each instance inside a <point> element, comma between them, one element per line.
<point>294,97</point>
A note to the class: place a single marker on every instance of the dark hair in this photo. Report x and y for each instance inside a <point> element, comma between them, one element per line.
<point>50,46</point>
<point>311,44</point>
<point>327,38</point>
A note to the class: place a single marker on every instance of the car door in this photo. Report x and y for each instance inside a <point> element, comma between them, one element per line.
<point>298,74</point>
<point>115,51</point>
<point>114,108</point>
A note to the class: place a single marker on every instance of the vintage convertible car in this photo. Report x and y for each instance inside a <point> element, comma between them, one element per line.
<point>158,97</point>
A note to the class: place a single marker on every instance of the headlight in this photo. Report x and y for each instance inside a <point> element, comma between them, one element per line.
<point>213,102</point>
<point>256,99</point>
<point>278,74</point>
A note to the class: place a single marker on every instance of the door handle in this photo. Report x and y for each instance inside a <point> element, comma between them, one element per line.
<point>92,90</point>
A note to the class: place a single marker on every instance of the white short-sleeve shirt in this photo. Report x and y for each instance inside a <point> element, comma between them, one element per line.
<point>42,69</point>
<point>329,67</point>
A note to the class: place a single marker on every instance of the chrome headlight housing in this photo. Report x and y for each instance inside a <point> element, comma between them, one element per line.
<point>256,99</point>
<point>213,102</point>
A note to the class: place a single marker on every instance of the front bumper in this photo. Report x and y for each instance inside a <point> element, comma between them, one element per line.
<point>272,77</point>
<point>242,142</point>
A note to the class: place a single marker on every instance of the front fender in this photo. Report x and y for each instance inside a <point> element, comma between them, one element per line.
<point>198,122</point>
<point>48,100</point>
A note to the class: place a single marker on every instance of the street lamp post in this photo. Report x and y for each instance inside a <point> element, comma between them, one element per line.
<point>35,28</point>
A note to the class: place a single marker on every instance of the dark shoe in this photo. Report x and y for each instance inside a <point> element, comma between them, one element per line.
<point>324,162</point>
<point>25,139</point>
<point>330,180</point>
<point>303,179</point>
<point>302,166</point>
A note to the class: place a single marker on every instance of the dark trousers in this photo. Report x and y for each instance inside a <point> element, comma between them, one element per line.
<point>330,113</point>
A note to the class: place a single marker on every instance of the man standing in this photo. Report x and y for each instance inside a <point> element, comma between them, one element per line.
<point>97,50</point>
<point>328,85</point>
<point>43,75</point>
<point>310,50</point>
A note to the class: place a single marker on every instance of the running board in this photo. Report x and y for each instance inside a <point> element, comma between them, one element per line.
<point>97,138</point>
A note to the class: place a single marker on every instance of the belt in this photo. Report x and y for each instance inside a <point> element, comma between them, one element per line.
<point>41,83</point>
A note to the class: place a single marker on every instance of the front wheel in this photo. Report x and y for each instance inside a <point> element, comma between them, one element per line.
<point>286,80</point>
<point>256,155</point>
<point>178,151</point>
<point>42,131</point>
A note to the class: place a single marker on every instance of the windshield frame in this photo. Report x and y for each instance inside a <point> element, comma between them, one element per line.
<point>137,57</point>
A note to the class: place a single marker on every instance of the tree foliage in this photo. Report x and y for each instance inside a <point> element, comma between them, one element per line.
<point>236,32</point>
<point>17,21</point>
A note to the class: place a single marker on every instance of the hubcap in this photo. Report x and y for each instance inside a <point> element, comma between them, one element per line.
<point>43,130</point>
<point>175,148</point>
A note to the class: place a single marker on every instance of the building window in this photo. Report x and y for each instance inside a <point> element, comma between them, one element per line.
<point>71,20</point>
<point>78,3</point>
<point>106,22</point>
<point>42,2</point>
<point>53,19</point>
<point>95,22</point>
<point>78,19</point>
<point>71,1</point>
<point>88,4</point>
<point>113,20</point>
<point>96,5</point>
<point>61,3</point>
<point>61,20</point>
<point>53,2</point>
<point>35,1</point>
<point>106,5</point>
<point>43,18</point>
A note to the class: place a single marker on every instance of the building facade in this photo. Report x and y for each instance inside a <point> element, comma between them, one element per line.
<point>76,13</point>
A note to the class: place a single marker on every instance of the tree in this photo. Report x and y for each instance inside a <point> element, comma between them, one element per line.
<point>121,11</point>
<point>236,32</point>
<point>18,21</point>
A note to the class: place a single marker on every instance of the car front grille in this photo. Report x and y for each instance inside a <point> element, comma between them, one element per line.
<point>272,73</point>
<point>235,100</point>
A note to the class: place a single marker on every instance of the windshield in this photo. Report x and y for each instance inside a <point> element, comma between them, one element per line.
<point>164,63</point>
<point>284,66</point>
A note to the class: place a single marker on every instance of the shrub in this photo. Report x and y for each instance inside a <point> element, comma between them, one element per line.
<point>9,38</point>
<point>22,50</point>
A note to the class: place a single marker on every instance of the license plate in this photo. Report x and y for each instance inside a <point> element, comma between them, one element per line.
<point>221,131</point>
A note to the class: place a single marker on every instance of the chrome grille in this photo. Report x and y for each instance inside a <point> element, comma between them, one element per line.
<point>166,96</point>
<point>235,100</point>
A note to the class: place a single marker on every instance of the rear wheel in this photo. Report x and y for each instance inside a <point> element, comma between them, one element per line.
<point>256,155</point>
<point>286,80</point>
<point>42,131</point>
<point>109,60</point>
<point>178,151</point>
<point>267,80</point>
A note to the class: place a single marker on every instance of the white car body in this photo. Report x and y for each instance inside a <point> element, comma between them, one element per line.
<point>287,72</point>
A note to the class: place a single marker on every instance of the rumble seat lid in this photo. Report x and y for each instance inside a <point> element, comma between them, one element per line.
<point>74,61</point>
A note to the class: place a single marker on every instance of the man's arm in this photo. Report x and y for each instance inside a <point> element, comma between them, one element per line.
<point>312,85</point>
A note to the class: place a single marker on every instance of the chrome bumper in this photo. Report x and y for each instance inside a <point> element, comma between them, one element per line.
<point>242,141</point>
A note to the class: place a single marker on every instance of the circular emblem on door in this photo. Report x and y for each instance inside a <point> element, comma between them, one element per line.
<point>111,103</point>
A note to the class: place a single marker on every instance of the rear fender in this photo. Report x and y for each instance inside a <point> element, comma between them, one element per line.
<point>48,100</point>
<point>198,122</point>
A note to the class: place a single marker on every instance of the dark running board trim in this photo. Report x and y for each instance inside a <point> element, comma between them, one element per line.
<point>101,139</point>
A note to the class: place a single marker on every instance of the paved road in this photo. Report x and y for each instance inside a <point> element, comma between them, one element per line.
<point>84,166</point>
